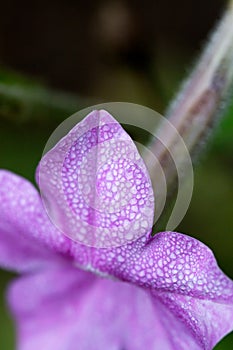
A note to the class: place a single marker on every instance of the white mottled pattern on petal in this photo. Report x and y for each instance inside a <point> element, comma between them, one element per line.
<point>95,185</point>
<point>172,280</point>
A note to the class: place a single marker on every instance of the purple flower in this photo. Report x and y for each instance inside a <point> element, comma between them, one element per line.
<point>164,292</point>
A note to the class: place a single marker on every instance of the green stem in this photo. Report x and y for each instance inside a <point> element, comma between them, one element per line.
<point>24,100</point>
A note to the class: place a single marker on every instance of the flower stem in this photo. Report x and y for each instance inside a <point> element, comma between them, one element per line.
<point>196,108</point>
<point>204,94</point>
<point>22,100</point>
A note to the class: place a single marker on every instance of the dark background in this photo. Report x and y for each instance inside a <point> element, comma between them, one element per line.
<point>135,51</point>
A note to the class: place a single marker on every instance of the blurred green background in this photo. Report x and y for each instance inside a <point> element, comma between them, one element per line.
<point>109,51</point>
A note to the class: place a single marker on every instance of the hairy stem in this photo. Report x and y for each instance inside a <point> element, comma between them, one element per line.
<point>196,107</point>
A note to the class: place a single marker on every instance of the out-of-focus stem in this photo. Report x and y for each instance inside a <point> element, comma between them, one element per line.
<point>23,99</point>
<point>196,108</point>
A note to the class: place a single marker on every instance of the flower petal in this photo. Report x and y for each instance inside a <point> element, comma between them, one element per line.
<point>67,309</point>
<point>24,225</point>
<point>180,272</point>
<point>183,273</point>
<point>169,261</point>
<point>209,321</point>
<point>95,185</point>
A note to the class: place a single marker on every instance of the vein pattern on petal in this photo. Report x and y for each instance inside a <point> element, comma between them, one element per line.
<point>95,185</point>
